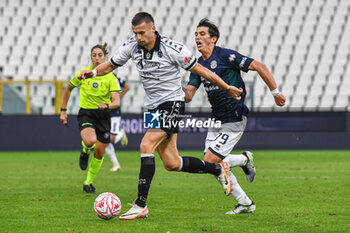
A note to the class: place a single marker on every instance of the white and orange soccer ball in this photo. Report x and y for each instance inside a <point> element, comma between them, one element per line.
<point>107,205</point>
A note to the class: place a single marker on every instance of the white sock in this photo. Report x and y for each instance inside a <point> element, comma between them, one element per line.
<point>238,193</point>
<point>236,160</point>
<point>118,137</point>
<point>111,154</point>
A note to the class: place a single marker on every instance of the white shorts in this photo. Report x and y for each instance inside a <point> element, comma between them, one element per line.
<point>220,141</point>
<point>115,124</point>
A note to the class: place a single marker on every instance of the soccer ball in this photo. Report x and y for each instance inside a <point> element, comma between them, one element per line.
<point>107,206</point>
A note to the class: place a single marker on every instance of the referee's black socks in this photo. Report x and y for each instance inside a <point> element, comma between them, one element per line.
<point>195,165</point>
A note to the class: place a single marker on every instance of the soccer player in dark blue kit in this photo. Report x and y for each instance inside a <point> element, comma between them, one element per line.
<point>117,134</point>
<point>228,64</point>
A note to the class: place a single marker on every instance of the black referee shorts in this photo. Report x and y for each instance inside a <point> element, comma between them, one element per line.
<point>172,112</point>
<point>98,119</point>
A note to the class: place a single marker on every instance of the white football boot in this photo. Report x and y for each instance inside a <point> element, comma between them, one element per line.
<point>243,209</point>
<point>135,212</point>
<point>249,168</point>
<point>124,139</point>
<point>224,178</point>
<point>115,168</point>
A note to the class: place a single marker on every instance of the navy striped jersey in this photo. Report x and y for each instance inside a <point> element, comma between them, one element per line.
<point>117,111</point>
<point>227,64</point>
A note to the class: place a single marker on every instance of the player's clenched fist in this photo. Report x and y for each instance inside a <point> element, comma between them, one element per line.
<point>63,117</point>
<point>235,92</point>
<point>85,74</point>
<point>280,100</point>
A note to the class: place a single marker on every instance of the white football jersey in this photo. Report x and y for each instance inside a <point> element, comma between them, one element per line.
<point>159,68</point>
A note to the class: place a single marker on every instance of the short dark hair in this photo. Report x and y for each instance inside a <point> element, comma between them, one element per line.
<point>212,28</point>
<point>142,17</point>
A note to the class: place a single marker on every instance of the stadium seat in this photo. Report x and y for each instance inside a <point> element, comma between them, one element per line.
<point>18,20</point>
<point>58,59</point>
<point>267,103</point>
<point>24,39</point>
<point>38,72</point>
<point>42,31</point>
<point>7,14</point>
<point>37,101</point>
<point>55,30</point>
<point>16,57</point>
<point>3,29</point>
<point>61,21</point>
<point>296,103</point>
<point>312,101</point>
<point>4,50</point>
<point>30,59</point>
<point>52,72</point>
<point>43,59</point>
<point>10,70</point>
<point>14,30</point>
<point>48,108</point>
<point>331,89</point>
<point>24,72</point>
<point>73,21</point>
<point>326,103</point>
<point>342,102</point>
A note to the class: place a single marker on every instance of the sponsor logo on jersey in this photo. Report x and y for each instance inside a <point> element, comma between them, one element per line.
<point>160,53</point>
<point>211,88</point>
<point>187,59</point>
<point>242,62</point>
<point>213,64</point>
<point>95,84</point>
<point>232,57</point>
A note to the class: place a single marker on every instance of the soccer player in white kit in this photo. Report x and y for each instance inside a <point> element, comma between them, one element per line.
<point>159,60</point>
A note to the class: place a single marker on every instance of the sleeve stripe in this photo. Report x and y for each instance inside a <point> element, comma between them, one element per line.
<point>192,65</point>
<point>72,84</point>
<point>248,64</point>
<point>113,63</point>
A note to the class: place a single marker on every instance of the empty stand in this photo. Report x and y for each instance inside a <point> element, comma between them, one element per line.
<point>306,43</point>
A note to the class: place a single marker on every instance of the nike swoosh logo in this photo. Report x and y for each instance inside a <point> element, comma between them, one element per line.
<point>124,215</point>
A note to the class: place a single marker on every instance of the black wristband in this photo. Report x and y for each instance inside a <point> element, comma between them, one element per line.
<point>107,106</point>
<point>63,109</point>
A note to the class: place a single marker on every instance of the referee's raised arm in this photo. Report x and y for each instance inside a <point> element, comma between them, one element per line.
<point>100,70</point>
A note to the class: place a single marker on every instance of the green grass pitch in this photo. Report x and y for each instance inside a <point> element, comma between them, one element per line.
<point>294,191</point>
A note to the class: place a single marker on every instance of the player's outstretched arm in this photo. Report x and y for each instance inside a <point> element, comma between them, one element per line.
<point>66,96</point>
<point>100,70</point>
<point>234,92</point>
<point>126,88</point>
<point>114,104</point>
<point>268,78</point>
<point>189,92</point>
<point>115,100</point>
